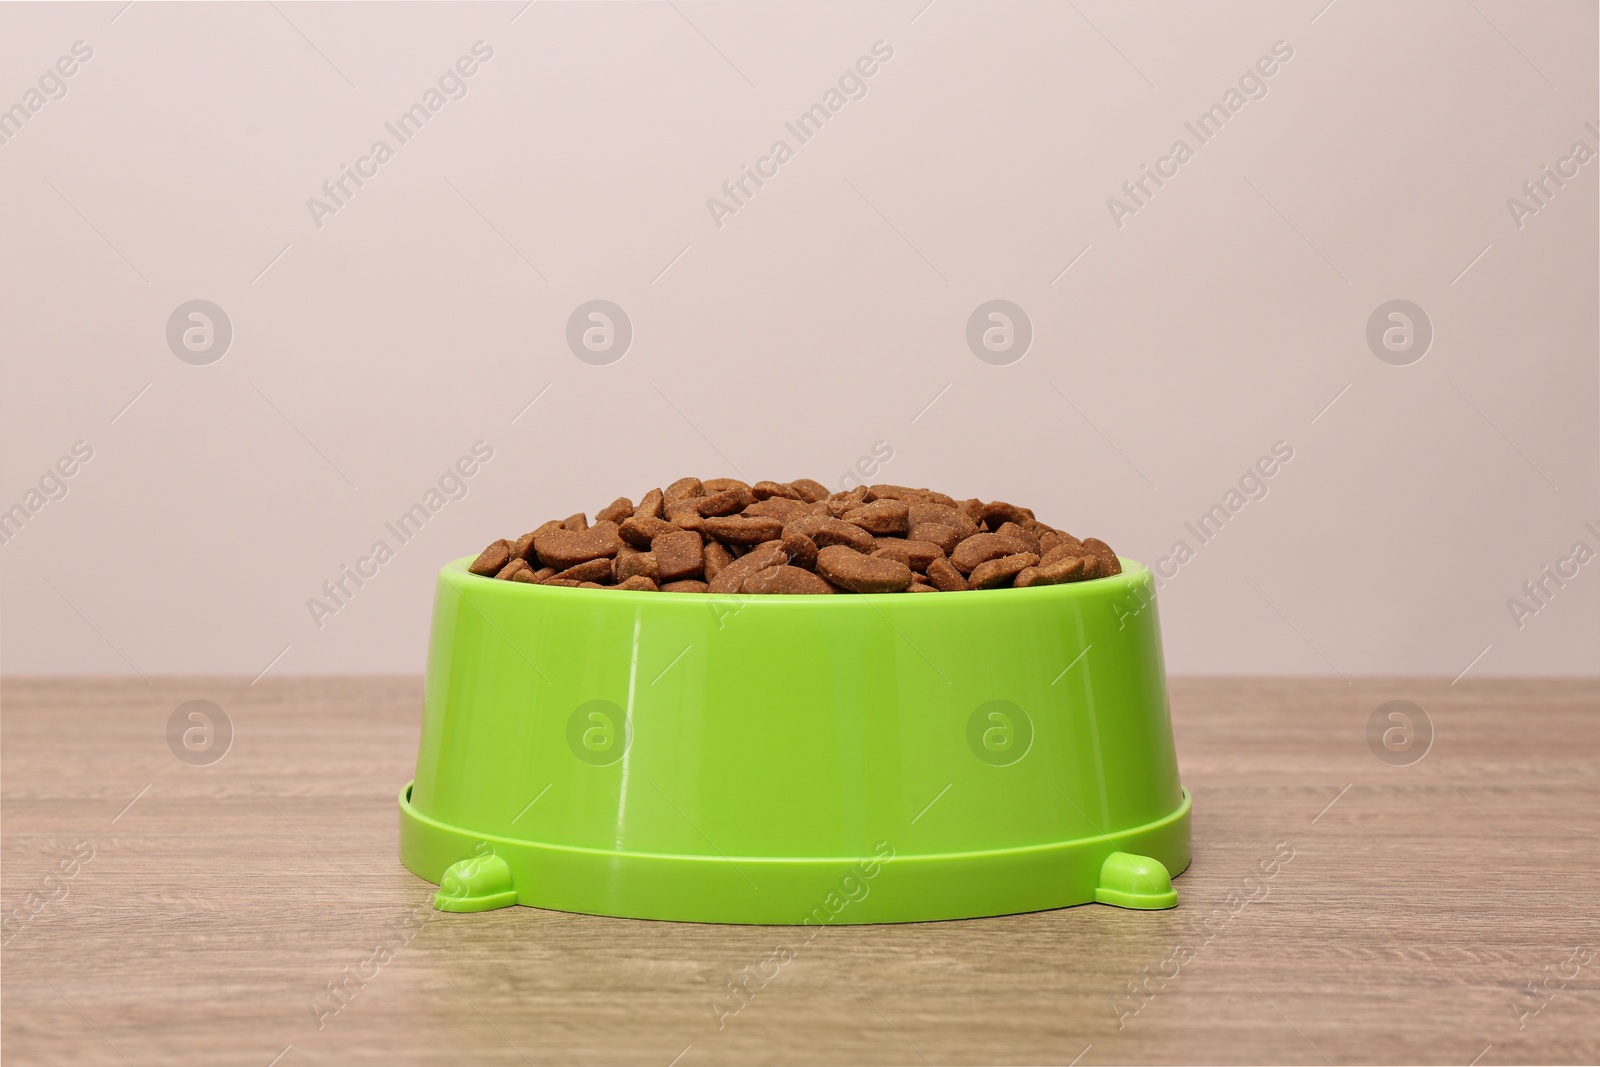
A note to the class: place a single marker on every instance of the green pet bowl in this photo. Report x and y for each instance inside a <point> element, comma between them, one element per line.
<point>796,759</point>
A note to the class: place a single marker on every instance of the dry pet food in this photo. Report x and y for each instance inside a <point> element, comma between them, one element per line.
<point>723,536</point>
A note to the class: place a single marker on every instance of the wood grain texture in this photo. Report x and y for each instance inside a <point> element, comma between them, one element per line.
<point>1419,904</point>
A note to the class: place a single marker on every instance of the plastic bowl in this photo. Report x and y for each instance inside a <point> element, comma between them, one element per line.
<point>795,759</point>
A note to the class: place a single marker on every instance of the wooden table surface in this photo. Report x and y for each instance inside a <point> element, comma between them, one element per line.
<point>162,913</point>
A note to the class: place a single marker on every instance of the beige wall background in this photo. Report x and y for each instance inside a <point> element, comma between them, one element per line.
<point>1172,345</point>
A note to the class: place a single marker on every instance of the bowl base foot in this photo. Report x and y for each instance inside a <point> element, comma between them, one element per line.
<point>1139,882</point>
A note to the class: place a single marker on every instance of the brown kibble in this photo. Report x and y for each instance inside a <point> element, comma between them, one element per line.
<point>716,557</point>
<point>678,555</point>
<point>1109,564</point>
<point>595,570</point>
<point>730,579</point>
<point>997,513</point>
<point>801,550</point>
<point>739,530</point>
<point>685,514</point>
<point>849,569</point>
<point>895,492</point>
<point>724,535</point>
<point>885,516</point>
<point>785,579</point>
<point>955,518</point>
<point>943,576</point>
<point>639,531</point>
<point>650,506</point>
<point>566,548</point>
<point>997,572</point>
<point>776,507</point>
<point>1019,536</point>
<point>637,563</point>
<point>808,490</point>
<point>1060,552</point>
<point>1068,569</point>
<point>981,548</point>
<point>726,502</point>
<point>827,531</point>
<point>914,554</point>
<point>683,489</point>
<point>946,537</point>
<point>513,568</point>
<point>765,490</point>
<point>492,559</point>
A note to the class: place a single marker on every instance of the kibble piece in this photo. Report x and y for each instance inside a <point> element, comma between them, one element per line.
<point>685,514</point>
<point>594,585</point>
<point>955,518</point>
<point>722,485</point>
<point>765,490</point>
<point>881,517</point>
<point>828,531</point>
<point>937,533</point>
<point>544,574</point>
<point>1068,569</point>
<point>522,548</point>
<point>943,576</point>
<point>921,587</point>
<point>595,570</point>
<point>785,579</point>
<point>981,548</point>
<point>1020,536</point>
<point>562,581</point>
<point>776,507</point>
<point>683,489</point>
<point>997,513</point>
<point>639,531</point>
<point>492,559</point>
<point>726,502</point>
<point>526,574</point>
<point>914,554</point>
<point>1092,567</point>
<point>739,530</point>
<point>576,523</point>
<point>512,569</point>
<point>565,548</point>
<point>730,579</point>
<point>716,557</point>
<point>619,509</point>
<point>849,569</point>
<point>650,506</point>
<point>685,585</point>
<point>1109,564</point>
<point>972,508</point>
<point>998,572</point>
<point>678,555</point>
<point>801,550</point>
<point>640,582</point>
<point>1060,552</point>
<point>808,490</point>
<point>637,563</point>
